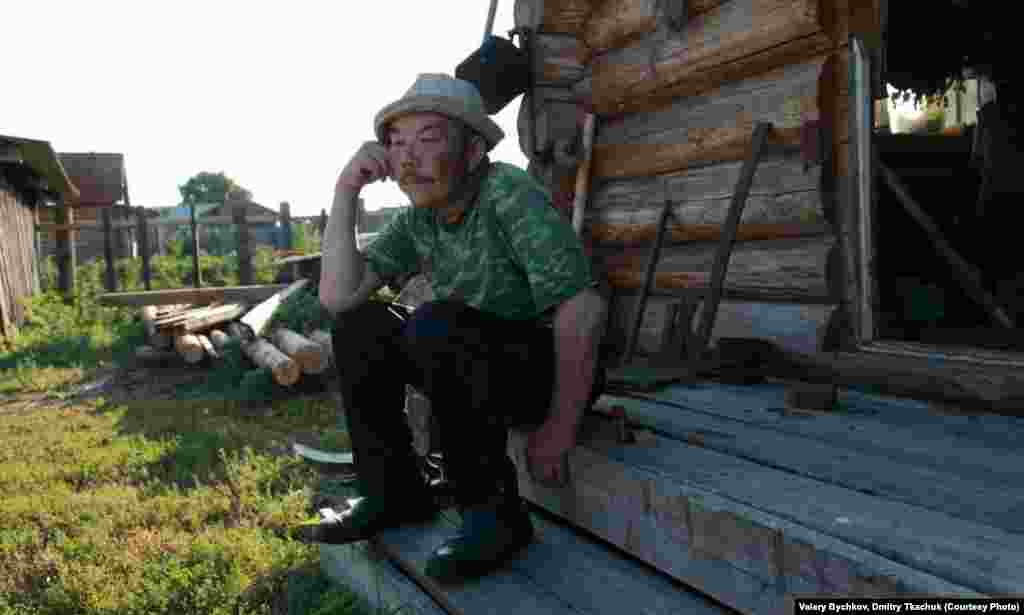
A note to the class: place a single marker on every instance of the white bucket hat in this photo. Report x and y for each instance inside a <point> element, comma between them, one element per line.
<point>444,94</point>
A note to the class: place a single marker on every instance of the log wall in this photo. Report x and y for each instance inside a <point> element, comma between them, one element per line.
<point>676,110</point>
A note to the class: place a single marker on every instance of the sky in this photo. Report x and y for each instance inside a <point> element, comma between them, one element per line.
<point>278,96</point>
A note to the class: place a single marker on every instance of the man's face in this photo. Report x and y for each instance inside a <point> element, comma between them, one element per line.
<point>421,158</point>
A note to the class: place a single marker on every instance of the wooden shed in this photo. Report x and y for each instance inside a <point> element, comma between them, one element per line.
<point>895,478</point>
<point>31,176</point>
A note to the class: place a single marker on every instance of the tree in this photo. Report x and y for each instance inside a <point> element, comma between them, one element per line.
<point>206,187</point>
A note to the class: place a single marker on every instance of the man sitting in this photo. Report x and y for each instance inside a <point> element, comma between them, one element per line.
<point>512,338</point>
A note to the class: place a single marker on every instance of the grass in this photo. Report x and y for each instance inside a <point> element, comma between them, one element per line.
<point>152,506</point>
<point>120,509</point>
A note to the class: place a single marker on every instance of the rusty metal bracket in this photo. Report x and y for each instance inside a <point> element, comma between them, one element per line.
<point>652,263</point>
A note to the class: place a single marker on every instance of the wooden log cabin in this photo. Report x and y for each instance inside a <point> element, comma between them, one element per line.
<point>31,177</point>
<point>894,479</point>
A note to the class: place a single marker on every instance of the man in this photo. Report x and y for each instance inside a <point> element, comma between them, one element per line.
<point>502,263</point>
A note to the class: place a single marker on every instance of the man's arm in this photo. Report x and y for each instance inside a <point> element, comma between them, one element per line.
<point>345,280</point>
<point>578,327</point>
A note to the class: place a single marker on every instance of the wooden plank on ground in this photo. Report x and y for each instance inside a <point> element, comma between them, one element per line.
<point>562,571</point>
<point>748,535</point>
<point>199,296</point>
<point>976,498</point>
<point>365,571</point>
<point>260,316</point>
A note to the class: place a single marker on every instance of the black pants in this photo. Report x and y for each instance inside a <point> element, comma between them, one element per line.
<point>481,373</point>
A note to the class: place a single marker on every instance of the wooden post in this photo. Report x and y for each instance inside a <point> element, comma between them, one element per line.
<point>196,281</point>
<point>323,222</point>
<point>66,251</point>
<point>244,257</point>
<point>144,246</point>
<point>109,280</point>
<point>286,226</point>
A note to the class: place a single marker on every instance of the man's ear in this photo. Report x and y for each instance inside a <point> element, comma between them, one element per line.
<point>476,149</point>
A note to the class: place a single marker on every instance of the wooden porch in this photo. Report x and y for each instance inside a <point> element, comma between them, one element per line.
<point>727,497</point>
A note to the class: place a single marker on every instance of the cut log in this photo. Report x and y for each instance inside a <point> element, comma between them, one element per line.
<point>262,353</point>
<point>308,354</point>
<point>730,42</point>
<point>260,316</point>
<point>323,338</point>
<point>201,296</point>
<point>717,126</point>
<point>149,354</point>
<point>553,16</point>
<point>620,22</point>
<point>207,346</point>
<point>219,339</point>
<point>214,316</point>
<point>189,347</point>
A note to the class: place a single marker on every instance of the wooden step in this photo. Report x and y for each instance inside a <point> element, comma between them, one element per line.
<point>749,533</point>
<point>562,572</point>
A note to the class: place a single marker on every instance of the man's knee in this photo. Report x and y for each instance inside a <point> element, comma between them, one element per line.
<point>435,323</point>
<point>365,322</point>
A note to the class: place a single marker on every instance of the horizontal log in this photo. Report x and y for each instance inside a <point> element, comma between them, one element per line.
<point>558,59</point>
<point>210,318</point>
<point>731,42</point>
<point>783,192</point>
<point>615,23</point>
<point>701,148</point>
<point>714,126</point>
<point>976,388</point>
<point>636,234</point>
<point>224,294</point>
<point>797,265</point>
<point>553,16</point>
<point>791,319</point>
<point>786,96</point>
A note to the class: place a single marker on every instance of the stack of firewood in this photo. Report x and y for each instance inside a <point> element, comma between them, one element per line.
<point>195,334</point>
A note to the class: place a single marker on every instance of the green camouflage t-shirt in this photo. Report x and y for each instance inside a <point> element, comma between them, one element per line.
<point>512,254</point>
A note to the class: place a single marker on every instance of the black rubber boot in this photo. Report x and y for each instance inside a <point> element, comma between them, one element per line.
<point>492,533</point>
<point>494,529</point>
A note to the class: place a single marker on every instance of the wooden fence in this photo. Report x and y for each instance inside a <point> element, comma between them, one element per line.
<point>66,228</point>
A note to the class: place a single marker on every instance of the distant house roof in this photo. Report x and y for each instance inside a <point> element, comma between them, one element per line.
<point>100,177</point>
<point>40,157</point>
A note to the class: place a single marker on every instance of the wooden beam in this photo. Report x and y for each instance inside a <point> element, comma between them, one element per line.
<point>716,146</point>
<point>260,316</point>
<point>965,273</point>
<point>198,296</point>
<point>558,60</point>
<point>724,252</point>
<point>108,253</point>
<point>553,16</point>
<point>638,234</point>
<point>732,41</point>
<point>144,248</point>
<point>245,270</point>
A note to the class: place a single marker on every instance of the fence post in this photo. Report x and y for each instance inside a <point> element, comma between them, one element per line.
<point>323,222</point>
<point>244,257</point>
<point>196,280</point>
<point>143,233</point>
<point>66,251</point>
<point>286,226</point>
<point>109,280</point>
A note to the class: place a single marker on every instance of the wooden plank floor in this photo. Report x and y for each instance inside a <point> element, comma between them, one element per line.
<point>970,478</point>
<point>562,572</point>
<point>748,533</point>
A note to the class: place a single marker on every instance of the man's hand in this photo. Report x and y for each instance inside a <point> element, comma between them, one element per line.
<point>369,164</point>
<point>547,449</point>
